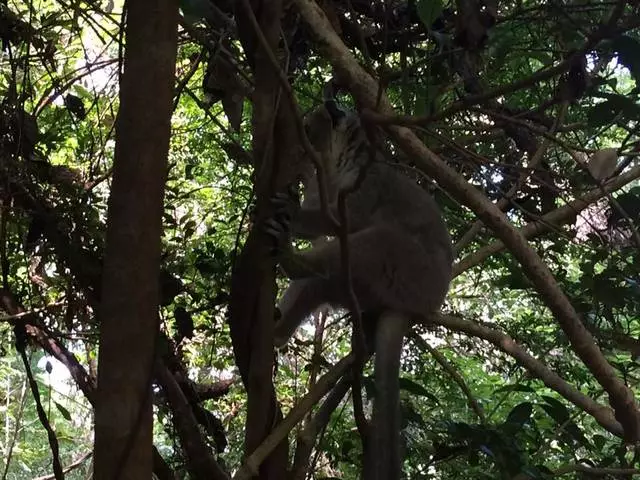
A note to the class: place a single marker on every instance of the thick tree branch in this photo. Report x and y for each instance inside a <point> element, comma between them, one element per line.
<point>253,289</point>
<point>130,297</point>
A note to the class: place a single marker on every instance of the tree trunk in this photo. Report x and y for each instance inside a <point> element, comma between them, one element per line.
<point>129,308</point>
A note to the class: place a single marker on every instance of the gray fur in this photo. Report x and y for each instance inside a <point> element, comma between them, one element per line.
<point>400,250</point>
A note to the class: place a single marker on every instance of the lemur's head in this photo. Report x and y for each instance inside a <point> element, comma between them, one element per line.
<point>337,134</point>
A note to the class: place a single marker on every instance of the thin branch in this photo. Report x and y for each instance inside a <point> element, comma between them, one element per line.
<point>358,344</point>
<point>307,437</point>
<point>42,415</point>
<point>86,383</point>
<point>200,461</point>
<point>14,437</point>
<point>68,468</point>
<point>534,161</point>
<point>588,471</point>
<point>612,201</point>
<point>596,471</point>
<point>30,313</point>
<point>453,373</point>
<point>306,144</point>
<point>341,225</point>
<point>389,118</point>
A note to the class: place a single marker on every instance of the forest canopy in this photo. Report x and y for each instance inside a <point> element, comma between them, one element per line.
<point>141,147</point>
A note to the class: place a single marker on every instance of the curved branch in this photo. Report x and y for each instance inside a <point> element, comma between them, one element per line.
<point>366,91</point>
<point>508,196</point>
<point>307,436</point>
<point>86,383</point>
<point>201,463</point>
<point>603,415</point>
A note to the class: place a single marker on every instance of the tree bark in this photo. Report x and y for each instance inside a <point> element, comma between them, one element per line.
<point>130,289</point>
<point>275,148</point>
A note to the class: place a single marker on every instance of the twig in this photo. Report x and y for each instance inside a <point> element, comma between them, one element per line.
<point>614,203</point>
<point>534,161</point>
<point>200,461</point>
<point>589,471</point>
<point>68,468</point>
<point>31,313</point>
<point>21,336</point>
<point>541,75</point>
<point>453,373</point>
<point>18,419</point>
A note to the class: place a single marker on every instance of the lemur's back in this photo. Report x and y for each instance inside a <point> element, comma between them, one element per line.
<point>400,253</point>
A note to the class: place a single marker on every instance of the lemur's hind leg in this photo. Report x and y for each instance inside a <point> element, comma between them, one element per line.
<point>300,300</point>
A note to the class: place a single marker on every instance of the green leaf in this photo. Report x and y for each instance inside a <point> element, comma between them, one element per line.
<point>520,414</point>
<point>574,430</point>
<point>605,112</point>
<point>428,11</point>
<point>189,228</point>
<point>555,409</point>
<point>602,114</point>
<point>560,414</point>
<point>416,389</point>
<point>63,411</point>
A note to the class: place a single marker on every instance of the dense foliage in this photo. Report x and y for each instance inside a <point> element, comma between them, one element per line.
<point>515,97</point>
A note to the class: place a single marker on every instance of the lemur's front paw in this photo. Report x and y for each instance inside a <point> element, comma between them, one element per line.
<point>287,201</point>
<point>278,228</point>
<point>279,225</point>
